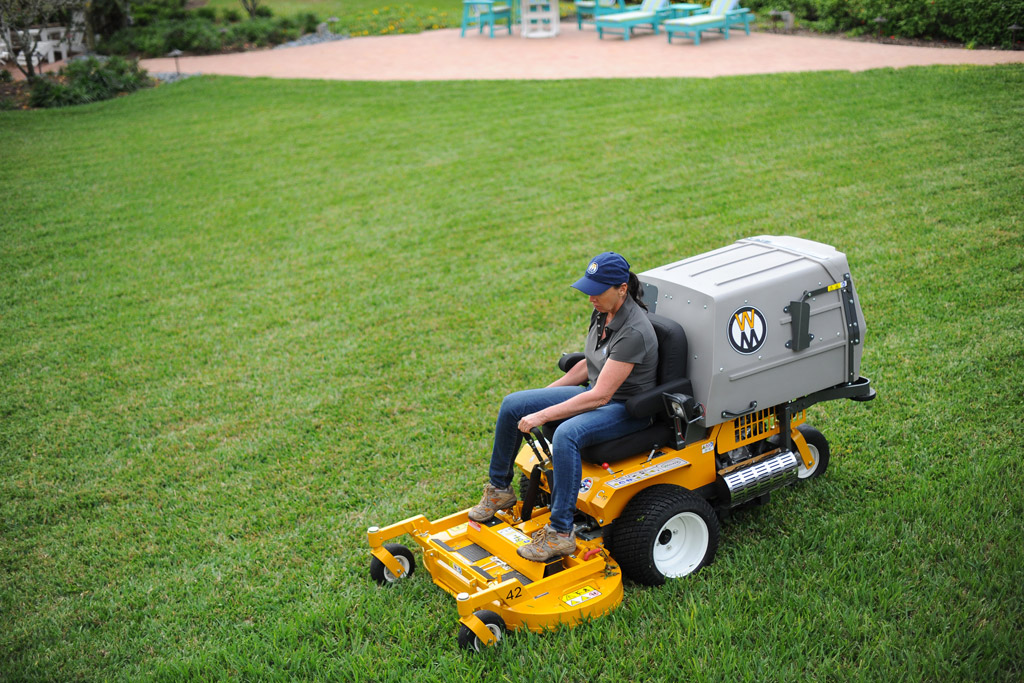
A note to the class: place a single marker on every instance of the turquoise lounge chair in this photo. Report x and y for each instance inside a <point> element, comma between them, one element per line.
<point>647,14</point>
<point>718,17</point>
<point>595,8</point>
<point>484,13</point>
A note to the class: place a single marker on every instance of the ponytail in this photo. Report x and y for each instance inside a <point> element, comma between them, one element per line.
<point>634,290</point>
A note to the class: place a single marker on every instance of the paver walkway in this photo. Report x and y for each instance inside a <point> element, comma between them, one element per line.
<point>443,55</point>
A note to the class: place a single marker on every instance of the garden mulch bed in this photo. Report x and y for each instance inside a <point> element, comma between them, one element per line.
<point>14,95</point>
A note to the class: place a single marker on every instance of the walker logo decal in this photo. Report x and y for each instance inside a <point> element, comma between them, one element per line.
<point>586,484</point>
<point>747,330</point>
<point>580,596</point>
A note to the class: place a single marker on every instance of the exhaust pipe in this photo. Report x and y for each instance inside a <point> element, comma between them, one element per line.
<point>745,484</point>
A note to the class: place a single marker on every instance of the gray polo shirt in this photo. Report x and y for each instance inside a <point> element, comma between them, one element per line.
<point>631,339</point>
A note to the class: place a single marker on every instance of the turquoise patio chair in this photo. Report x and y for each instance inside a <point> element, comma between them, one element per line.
<point>595,8</point>
<point>647,14</point>
<point>718,17</point>
<point>482,13</point>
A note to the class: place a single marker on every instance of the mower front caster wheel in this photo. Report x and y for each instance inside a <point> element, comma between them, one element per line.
<point>383,575</point>
<point>494,623</point>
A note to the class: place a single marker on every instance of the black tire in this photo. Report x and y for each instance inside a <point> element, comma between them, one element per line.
<point>819,451</point>
<point>665,532</point>
<point>383,575</point>
<point>469,640</point>
<point>543,499</point>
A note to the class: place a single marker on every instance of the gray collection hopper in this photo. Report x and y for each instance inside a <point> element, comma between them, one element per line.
<point>767,319</point>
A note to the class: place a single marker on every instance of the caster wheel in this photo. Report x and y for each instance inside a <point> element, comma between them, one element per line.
<point>383,575</point>
<point>494,623</point>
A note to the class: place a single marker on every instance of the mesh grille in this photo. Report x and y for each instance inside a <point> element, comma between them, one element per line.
<point>754,427</point>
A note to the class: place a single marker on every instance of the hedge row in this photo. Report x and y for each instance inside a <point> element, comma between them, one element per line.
<point>160,26</point>
<point>972,22</point>
<point>88,80</point>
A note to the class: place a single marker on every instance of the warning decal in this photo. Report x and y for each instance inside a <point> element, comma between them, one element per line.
<point>580,596</point>
<point>640,475</point>
<point>515,536</point>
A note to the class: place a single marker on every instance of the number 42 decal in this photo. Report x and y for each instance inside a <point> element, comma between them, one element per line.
<point>515,593</point>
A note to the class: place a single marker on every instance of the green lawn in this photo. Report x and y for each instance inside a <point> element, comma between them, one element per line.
<point>243,320</point>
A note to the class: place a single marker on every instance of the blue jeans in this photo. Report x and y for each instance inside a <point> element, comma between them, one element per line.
<point>610,421</point>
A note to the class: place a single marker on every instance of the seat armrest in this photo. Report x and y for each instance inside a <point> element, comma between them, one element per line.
<point>650,402</point>
<point>568,360</point>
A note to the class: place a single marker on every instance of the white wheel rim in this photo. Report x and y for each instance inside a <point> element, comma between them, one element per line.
<point>391,578</point>
<point>803,471</point>
<point>681,545</point>
<point>493,628</point>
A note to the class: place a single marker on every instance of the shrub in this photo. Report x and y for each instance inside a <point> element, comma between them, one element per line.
<point>194,35</point>
<point>967,21</point>
<point>208,13</point>
<point>106,16</point>
<point>260,32</point>
<point>6,76</point>
<point>231,15</point>
<point>88,80</point>
<point>147,13</point>
<point>306,21</point>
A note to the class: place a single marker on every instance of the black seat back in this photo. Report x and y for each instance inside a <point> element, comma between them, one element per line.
<point>672,355</point>
<point>672,348</point>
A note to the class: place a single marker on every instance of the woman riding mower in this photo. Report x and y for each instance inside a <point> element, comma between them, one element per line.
<point>621,361</point>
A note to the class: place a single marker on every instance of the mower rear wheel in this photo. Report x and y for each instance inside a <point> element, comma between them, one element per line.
<point>665,532</point>
<point>494,623</point>
<point>383,575</point>
<point>818,445</point>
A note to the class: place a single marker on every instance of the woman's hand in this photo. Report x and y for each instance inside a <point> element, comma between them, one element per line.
<point>530,421</point>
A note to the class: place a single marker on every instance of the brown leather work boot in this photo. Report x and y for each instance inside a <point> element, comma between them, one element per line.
<point>547,544</point>
<point>494,499</point>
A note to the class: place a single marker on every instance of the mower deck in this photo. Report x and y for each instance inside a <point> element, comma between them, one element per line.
<point>478,564</point>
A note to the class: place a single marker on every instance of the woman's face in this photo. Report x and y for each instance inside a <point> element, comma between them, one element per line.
<point>610,300</point>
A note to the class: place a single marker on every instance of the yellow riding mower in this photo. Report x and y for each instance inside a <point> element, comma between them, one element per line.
<point>772,326</point>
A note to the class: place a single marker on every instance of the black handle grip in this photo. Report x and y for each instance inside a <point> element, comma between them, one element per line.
<point>728,414</point>
<point>541,440</point>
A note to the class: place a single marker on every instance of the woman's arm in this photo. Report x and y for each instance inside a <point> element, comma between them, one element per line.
<point>576,376</point>
<point>608,382</point>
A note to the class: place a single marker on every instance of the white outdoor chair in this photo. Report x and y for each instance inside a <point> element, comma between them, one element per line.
<point>59,39</point>
<point>35,59</point>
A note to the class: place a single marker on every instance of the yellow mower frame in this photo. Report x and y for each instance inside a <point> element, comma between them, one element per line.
<point>478,563</point>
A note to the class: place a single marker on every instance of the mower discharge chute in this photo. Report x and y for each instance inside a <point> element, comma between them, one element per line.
<point>772,326</point>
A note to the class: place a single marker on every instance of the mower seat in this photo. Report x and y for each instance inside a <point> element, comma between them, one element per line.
<point>672,353</point>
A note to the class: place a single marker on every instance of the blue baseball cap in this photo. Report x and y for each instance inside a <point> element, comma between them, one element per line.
<point>605,270</point>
